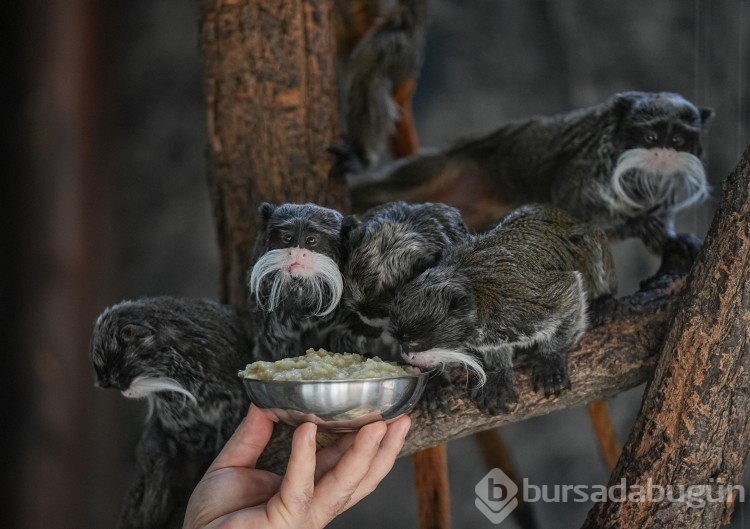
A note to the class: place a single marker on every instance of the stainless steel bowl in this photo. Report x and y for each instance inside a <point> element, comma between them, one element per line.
<point>336,405</point>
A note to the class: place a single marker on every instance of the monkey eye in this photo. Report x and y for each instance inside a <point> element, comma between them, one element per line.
<point>311,240</point>
<point>286,237</point>
<point>678,139</point>
<point>650,137</point>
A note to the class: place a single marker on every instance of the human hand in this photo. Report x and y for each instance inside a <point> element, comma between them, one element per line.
<point>315,489</point>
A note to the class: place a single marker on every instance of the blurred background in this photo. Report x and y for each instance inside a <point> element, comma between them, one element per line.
<point>104,198</point>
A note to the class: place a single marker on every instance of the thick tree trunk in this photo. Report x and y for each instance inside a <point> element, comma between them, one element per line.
<point>272,113</point>
<point>694,425</point>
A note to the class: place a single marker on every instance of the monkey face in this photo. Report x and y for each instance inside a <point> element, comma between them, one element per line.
<point>432,318</point>
<point>658,168</point>
<point>299,266</point>
<point>392,245</point>
<point>126,354</point>
<point>113,346</point>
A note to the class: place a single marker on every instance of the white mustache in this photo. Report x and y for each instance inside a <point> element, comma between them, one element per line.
<point>635,187</point>
<point>146,386</point>
<point>444,357</point>
<point>325,285</point>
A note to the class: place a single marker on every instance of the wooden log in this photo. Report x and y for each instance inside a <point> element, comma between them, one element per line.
<point>693,429</point>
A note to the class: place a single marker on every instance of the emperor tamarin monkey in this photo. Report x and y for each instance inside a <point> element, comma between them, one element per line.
<point>523,285</point>
<point>181,355</point>
<point>380,44</point>
<point>385,248</point>
<point>295,283</point>
<point>627,165</point>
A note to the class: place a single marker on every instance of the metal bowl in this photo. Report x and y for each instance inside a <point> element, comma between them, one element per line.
<point>336,405</point>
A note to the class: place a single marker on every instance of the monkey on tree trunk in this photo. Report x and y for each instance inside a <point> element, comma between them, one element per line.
<point>386,248</point>
<point>295,281</point>
<point>627,165</point>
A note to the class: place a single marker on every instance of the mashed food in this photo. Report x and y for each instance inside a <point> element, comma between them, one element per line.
<point>324,365</point>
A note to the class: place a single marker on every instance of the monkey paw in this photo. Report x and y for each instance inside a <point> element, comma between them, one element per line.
<point>495,398</point>
<point>550,376</point>
<point>679,253</point>
<point>435,401</point>
<point>346,162</point>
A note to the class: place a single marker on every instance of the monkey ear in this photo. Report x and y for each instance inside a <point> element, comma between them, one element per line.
<point>706,114</point>
<point>424,261</point>
<point>461,301</point>
<point>349,223</point>
<point>623,101</point>
<point>133,332</point>
<point>265,211</point>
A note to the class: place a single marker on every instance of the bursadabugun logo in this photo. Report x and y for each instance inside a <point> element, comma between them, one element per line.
<point>496,496</point>
<point>496,493</point>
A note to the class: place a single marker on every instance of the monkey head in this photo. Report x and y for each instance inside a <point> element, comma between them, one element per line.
<point>658,148</point>
<point>169,350</point>
<point>433,317</point>
<point>389,246</point>
<point>127,355</point>
<point>298,256</point>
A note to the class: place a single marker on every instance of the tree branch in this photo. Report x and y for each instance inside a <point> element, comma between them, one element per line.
<point>694,425</point>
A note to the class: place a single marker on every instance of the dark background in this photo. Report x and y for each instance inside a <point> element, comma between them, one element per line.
<point>104,197</point>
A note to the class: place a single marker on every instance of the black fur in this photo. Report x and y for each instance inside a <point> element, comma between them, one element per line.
<point>198,343</point>
<point>523,285</point>
<point>384,249</point>
<point>294,322</point>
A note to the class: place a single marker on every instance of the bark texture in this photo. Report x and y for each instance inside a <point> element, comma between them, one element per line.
<point>693,428</point>
<point>271,114</point>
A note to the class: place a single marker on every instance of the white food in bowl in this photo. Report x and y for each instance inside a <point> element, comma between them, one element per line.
<point>325,365</point>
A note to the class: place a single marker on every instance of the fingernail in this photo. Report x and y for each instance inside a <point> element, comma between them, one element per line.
<point>407,427</point>
<point>378,436</point>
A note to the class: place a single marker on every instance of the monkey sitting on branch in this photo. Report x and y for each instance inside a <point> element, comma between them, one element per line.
<point>179,353</point>
<point>523,286</point>
<point>627,165</point>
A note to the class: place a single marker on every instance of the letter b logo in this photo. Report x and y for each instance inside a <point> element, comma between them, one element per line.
<point>496,496</point>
